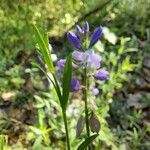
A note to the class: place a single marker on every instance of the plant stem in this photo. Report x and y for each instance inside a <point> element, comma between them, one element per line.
<point>85,100</point>
<point>66,129</point>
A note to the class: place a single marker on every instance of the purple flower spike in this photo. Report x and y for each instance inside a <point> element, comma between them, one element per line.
<point>61,64</point>
<point>78,56</point>
<point>96,35</point>
<point>86,27</point>
<point>102,75</point>
<point>79,31</point>
<point>75,85</point>
<point>74,39</point>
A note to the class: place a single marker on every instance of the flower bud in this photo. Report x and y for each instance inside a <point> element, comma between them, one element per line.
<point>61,64</point>
<point>86,27</point>
<point>102,75</point>
<point>94,124</point>
<point>75,85</point>
<point>95,91</point>
<point>96,35</point>
<point>74,40</point>
<point>79,31</point>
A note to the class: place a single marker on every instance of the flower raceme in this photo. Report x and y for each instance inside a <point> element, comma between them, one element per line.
<point>85,57</point>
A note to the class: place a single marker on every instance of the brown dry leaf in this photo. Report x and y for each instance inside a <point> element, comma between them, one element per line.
<point>8,96</point>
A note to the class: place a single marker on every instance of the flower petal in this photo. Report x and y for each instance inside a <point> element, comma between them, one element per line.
<point>91,59</point>
<point>86,27</point>
<point>78,56</point>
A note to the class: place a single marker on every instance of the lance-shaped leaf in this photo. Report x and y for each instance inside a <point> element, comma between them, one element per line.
<point>94,124</point>
<point>43,45</point>
<point>45,52</point>
<point>80,126</point>
<point>67,75</point>
<point>87,142</point>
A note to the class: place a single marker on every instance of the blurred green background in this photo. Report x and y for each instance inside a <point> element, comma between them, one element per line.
<point>30,116</point>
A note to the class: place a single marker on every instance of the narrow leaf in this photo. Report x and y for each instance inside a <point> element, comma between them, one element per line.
<point>80,126</point>
<point>43,45</point>
<point>67,75</point>
<point>87,141</point>
<point>57,88</point>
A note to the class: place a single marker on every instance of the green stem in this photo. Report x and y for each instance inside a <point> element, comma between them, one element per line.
<point>86,104</point>
<point>66,129</point>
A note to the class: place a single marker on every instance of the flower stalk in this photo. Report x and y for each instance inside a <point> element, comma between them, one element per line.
<point>86,103</point>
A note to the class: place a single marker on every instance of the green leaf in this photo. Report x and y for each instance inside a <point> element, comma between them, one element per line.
<point>37,144</point>
<point>43,45</point>
<point>126,65</point>
<point>2,141</point>
<point>87,141</point>
<point>57,88</point>
<point>67,75</point>
<point>36,130</point>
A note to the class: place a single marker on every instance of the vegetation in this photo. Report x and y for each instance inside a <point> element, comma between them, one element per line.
<point>31,110</point>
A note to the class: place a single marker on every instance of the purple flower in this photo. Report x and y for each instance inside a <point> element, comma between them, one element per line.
<point>96,35</point>
<point>74,39</point>
<point>86,27</point>
<point>78,56</point>
<point>95,91</point>
<point>91,59</point>
<point>61,64</point>
<point>79,31</point>
<point>75,85</point>
<point>102,75</point>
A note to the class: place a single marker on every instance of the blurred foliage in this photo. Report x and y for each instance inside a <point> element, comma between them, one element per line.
<point>126,40</point>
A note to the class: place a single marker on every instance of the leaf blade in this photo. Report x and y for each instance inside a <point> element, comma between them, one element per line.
<point>86,142</point>
<point>43,45</point>
<point>67,75</point>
